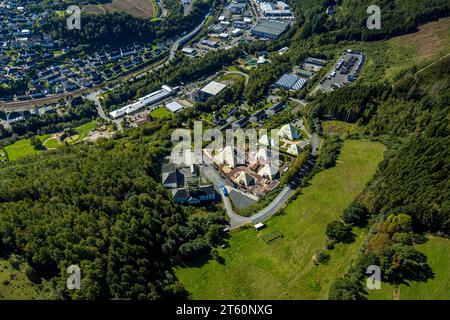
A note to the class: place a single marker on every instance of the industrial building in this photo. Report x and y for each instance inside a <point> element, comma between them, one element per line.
<point>174,106</point>
<point>271,29</point>
<point>210,90</point>
<point>147,100</point>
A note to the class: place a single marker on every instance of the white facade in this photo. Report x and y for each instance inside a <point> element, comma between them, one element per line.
<point>149,99</point>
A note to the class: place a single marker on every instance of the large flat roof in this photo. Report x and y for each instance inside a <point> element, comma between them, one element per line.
<point>271,26</point>
<point>174,106</point>
<point>213,88</point>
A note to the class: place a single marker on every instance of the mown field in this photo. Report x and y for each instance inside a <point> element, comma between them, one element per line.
<point>437,251</point>
<point>22,148</point>
<point>160,112</point>
<point>137,8</point>
<point>284,269</point>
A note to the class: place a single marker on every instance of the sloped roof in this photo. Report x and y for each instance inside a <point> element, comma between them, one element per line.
<point>294,149</point>
<point>268,171</point>
<point>265,140</point>
<point>245,179</point>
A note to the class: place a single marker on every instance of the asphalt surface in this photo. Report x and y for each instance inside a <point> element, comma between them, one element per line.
<point>183,39</point>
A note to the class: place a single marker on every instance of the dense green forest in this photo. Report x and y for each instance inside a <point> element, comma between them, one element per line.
<point>119,29</point>
<point>348,22</point>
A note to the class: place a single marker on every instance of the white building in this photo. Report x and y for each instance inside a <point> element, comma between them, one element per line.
<point>147,100</point>
<point>294,149</point>
<point>174,106</point>
<point>228,157</point>
<point>282,5</point>
<point>268,171</point>
<point>213,88</point>
<point>266,141</point>
<point>245,179</point>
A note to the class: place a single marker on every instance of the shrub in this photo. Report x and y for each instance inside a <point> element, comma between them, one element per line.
<point>339,232</point>
<point>355,215</point>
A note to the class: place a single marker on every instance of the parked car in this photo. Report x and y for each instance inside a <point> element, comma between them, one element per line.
<point>224,190</point>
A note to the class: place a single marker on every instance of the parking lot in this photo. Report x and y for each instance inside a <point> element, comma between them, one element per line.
<point>346,70</point>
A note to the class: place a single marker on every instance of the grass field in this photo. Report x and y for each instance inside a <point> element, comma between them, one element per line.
<point>385,59</point>
<point>161,112</point>
<point>51,143</point>
<point>437,251</point>
<point>23,148</point>
<point>284,269</point>
<point>14,283</point>
<point>137,8</point>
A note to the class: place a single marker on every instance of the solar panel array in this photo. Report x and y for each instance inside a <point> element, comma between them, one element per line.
<point>291,82</point>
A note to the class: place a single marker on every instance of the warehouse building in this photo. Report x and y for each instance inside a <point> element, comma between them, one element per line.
<point>271,29</point>
<point>210,90</point>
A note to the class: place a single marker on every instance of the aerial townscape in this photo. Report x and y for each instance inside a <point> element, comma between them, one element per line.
<point>224,150</point>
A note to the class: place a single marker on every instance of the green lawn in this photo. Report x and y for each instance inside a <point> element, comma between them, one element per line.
<point>161,112</point>
<point>284,269</point>
<point>84,129</point>
<point>437,251</point>
<point>51,143</point>
<point>23,148</point>
<point>14,283</point>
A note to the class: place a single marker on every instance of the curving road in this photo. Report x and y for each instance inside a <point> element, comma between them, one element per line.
<point>187,37</point>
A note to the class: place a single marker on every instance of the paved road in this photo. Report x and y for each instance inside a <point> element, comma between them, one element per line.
<point>274,206</point>
<point>216,179</point>
<point>245,75</point>
<point>94,97</point>
<point>162,9</point>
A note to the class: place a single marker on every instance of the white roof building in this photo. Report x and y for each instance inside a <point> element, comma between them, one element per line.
<point>213,88</point>
<point>188,50</point>
<point>268,171</point>
<point>259,226</point>
<point>226,156</point>
<point>263,154</point>
<point>294,149</point>
<point>245,179</point>
<point>282,5</point>
<point>266,6</point>
<point>174,106</point>
<point>142,102</point>
<point>288,132</point>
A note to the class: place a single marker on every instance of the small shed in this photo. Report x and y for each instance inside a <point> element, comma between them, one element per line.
<point>259,226</point>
